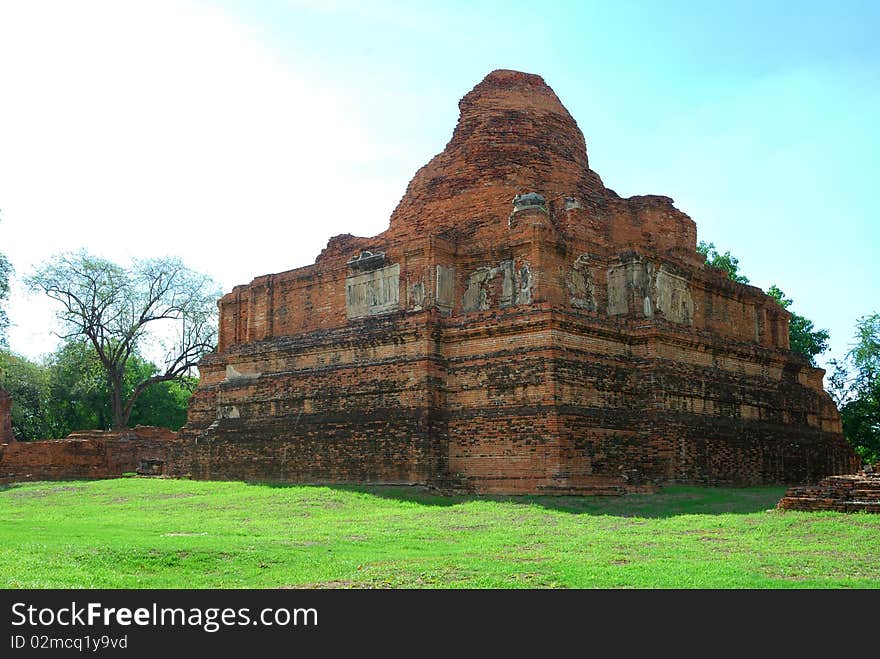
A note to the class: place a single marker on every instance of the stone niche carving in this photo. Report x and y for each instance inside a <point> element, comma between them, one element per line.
<point>649,290</point>
<point>626,280</point>
<point>672,296</point>
<point>416,296</point>
<point>483,291</point>
<point>581,292</point>
<point>445,288</point>
<point>373,293</point>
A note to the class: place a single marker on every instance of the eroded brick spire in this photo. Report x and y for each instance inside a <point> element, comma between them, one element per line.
<point>513,136</point>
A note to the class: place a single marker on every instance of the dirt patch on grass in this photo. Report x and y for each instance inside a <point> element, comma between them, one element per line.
<point>465,527</point>
<point>39,494</point>
<point>330,585</point>
<point>521,559</point>
<point>300,543</point>
<point>319,503</point>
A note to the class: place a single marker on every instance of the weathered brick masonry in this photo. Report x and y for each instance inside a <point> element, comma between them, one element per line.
<point>846,494</point>
<point>92,454</point>
<point>519,327</point>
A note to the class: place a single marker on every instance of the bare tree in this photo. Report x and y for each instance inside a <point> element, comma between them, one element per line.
<point>156,304</point>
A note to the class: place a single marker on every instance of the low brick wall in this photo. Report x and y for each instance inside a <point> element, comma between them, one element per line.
<point>88,454</point>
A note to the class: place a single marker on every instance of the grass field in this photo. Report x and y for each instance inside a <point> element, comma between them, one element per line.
<point>157,533</point>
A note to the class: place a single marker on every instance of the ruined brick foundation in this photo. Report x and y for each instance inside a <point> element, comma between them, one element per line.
<point>92,454</point>
<point>518,328</point>
<point>849,493</point>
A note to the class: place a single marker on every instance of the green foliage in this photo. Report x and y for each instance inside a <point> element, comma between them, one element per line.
<point>119,311</point>
<point>861,426</point>
<point>865,354</point>
<point>855,384</point>
<point>726,262</point>
<point>69,392</point>
<point>164,404</point>
<point>164,533</point>
<point>802,335</point>
<point>33,415</point>
<point>78,388</point>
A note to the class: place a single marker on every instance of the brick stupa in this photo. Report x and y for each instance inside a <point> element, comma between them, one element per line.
<point>519,327</point>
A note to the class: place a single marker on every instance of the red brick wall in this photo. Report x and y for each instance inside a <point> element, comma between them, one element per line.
<point>89,454</point>
<point>522,400</point>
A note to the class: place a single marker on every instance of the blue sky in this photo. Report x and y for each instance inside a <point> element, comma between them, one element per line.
<point>242,135</point>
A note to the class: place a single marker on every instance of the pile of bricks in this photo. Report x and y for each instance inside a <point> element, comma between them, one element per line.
<point>846,494</point>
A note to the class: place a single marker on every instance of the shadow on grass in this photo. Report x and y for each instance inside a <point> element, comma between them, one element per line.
<point>668,502</point>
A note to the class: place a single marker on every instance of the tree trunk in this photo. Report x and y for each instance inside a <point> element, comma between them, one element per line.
<point>119,416</point>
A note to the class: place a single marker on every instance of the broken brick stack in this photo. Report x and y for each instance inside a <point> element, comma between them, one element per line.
<point>846,494</point>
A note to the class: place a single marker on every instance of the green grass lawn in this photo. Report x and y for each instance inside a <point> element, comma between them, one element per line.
<point>157,533</point>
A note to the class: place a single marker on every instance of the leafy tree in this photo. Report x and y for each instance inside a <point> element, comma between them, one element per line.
<point>82,400</point>
<point>78,387</point>
<point>726,262</point>
<point>802,335</point>
<point>28,384</point>
<point>866,353</point>
<point>121,311</point>
<point>855,384</point>
<point>68,391</point>
<point>164,404</point>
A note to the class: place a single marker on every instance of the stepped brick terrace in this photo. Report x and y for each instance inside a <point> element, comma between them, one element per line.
<point>518,328</point>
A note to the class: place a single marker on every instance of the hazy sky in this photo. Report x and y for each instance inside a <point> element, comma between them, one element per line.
<point>242,135</point>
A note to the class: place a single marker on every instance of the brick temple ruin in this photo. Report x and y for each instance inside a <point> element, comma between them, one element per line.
<point>519,327</point>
